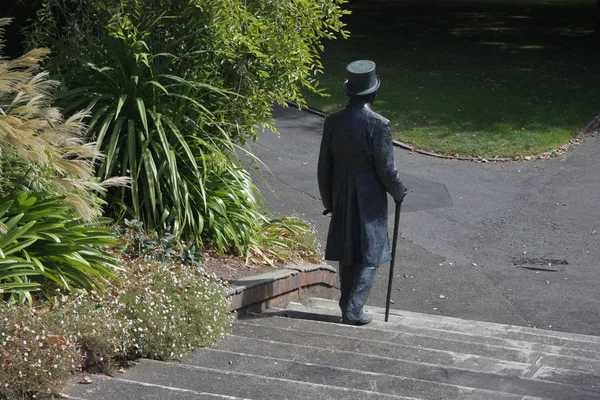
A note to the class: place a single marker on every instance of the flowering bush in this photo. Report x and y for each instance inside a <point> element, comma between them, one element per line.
<point>33,359</point>
<point>172,311</point>
<point>158,310</point>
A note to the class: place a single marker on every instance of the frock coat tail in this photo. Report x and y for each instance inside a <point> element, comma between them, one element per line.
<point>356,170</point>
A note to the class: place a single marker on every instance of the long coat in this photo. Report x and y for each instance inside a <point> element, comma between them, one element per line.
<point>356,168</point>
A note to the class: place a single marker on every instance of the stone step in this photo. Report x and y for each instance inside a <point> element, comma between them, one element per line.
<point>362,352</point>
<point>431,343</point>
<point>345,371</point>
<point>333,304</point>
<point>451,324</point>
<point>369,345</point>
<point>414,356</point>
<point>473,331</point>
<point>554,369</point>
<point>247,384</point>
<point>106,388</point>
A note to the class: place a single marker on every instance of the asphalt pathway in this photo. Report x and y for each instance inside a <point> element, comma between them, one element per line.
<point>515,243</point>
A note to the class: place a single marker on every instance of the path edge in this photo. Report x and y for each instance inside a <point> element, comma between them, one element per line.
<point>576,140</point>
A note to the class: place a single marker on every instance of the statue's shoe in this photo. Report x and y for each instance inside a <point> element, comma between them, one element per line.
<point>364,319</point>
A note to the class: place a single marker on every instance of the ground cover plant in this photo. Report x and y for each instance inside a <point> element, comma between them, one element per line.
<point>484,78</point>
<point>158,310</point>
<point>162,304</point>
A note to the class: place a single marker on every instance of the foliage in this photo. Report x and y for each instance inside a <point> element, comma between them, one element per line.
<point>137,243</point>
<point>173,309</point>
<point>23,12</point>
<point>152,129</point>
<point>262,51</point>
<point>46,247</point>
<point>286,240</point>
<point>233,219</point>
<point>174,87</point>
<point>33,359</point>
<point>160,311</point>
<point>475,78</point>
<point>48,193</point>
<point>41,151</point>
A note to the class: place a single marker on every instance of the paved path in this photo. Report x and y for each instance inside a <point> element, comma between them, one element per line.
<point>465,225</point>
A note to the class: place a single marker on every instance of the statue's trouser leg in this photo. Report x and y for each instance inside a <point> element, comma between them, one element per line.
<point>347,274</point>
<point>364,277</point>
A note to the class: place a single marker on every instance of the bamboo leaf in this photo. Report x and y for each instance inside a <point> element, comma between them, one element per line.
<point>14,234</point>
<point>8,250</point>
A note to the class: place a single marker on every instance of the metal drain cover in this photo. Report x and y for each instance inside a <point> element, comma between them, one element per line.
<point>541,264</point>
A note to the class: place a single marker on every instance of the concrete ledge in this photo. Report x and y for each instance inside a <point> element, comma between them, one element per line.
<point>259,292</point>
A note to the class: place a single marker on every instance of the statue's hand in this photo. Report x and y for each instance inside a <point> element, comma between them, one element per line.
<point>403,196</point>
<point>327,211</point>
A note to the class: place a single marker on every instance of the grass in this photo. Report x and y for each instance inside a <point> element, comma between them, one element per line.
<point>486,78</point>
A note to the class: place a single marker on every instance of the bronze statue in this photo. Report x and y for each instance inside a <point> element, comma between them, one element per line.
<point>356,171</point>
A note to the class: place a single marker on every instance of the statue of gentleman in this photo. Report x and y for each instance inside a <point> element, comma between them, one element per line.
<point>356,170</point>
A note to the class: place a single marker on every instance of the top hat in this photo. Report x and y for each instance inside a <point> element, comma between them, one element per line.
<point>361,78</point>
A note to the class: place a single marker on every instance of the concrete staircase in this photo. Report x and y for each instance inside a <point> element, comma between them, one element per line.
<point>301,352</point>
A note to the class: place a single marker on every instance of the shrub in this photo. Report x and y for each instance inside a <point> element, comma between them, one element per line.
<point>173,309</point>
<point>93,322</point>
<point>33,359</point>
<point>48,193</point>
<point>46,247</point>
<point>174,87</point>
<point>160,311</point>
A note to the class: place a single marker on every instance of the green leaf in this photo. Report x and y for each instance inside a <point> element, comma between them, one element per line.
<point>14,234</point>
<point>111,159</point>
<point>8,250</point>
<point>158,85</point>
<point>122,99</point>
<point>106,124</point>
<point>133,162</point>
<point>142,110</point>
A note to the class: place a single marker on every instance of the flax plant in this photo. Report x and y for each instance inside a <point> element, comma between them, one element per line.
<point>175,88</point>
<point>153,129</point>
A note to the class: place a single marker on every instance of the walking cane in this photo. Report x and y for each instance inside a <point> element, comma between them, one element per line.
<point>394,243</point>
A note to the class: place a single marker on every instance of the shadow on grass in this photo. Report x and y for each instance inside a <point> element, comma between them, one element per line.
<point>475,77</point>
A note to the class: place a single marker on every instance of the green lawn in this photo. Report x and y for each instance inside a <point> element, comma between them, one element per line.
<point>487,78</point>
